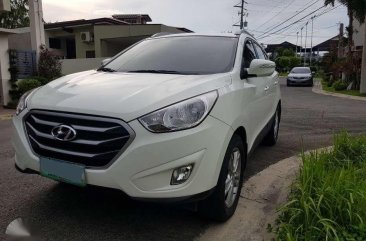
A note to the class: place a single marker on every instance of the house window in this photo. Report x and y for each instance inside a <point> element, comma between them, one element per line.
<point>55,43</point>
<point>90,54</point>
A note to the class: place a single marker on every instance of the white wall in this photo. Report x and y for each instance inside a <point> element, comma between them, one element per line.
<point>359,33</point>
<point>4,69</point>
<point>70,66</point>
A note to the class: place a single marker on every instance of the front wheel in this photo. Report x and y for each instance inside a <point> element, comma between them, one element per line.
<point>222,203</point>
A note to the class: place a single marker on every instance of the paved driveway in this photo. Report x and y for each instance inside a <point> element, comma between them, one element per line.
<point>66,213</point>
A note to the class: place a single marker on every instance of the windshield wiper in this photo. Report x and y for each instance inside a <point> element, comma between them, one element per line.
<point>104,69</point>
<point>158,71</point>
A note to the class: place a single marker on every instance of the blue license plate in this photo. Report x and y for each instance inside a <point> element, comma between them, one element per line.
<point>63,171</point>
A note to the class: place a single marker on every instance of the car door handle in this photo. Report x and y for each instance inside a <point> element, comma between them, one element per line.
<point>267,88</point>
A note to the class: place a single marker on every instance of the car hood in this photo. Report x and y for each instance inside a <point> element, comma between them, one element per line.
<point>300,75</point>
<point>125,96</point>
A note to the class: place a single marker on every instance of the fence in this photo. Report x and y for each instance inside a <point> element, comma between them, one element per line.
<point>25,63</point>
<point>70,66</point>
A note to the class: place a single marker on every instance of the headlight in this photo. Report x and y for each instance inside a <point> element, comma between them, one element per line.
<point>23,102</point>
<point>181,116</point>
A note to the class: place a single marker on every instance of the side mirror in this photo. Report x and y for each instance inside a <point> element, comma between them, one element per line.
<point>261,68</point>
<point>105,61</point>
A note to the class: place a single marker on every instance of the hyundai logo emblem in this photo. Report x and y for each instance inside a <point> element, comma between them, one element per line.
<point>63,133</point>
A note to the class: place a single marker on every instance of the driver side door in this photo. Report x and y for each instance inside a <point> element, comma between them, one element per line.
<point>259,105</point>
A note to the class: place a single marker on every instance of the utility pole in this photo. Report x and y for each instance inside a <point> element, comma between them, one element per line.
<point>36,25</point>
<point>340,41</point>
<point>312,35</point>
<point>242,13</point>
<point>297,42</point>
<point>306,38</point>
<point>363,66</point>
<point>301,42</point>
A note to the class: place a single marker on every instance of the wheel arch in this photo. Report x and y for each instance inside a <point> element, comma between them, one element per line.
<point>240,131</point>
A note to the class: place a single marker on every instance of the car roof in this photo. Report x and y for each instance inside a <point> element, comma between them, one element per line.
<point>168,35</point>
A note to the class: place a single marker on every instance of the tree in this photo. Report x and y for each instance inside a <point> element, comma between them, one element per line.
<point>363,66</point>
<point>18,17</point>
<point>356,10</point>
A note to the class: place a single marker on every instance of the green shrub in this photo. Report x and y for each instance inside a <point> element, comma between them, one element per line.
<point>27,85</point>
<point>49,66</point>
<point>41,79</point>
<point>328,198</point>
<point>340,85</point>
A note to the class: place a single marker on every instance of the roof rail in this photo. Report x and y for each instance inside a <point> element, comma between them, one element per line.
<point>244,31</point>
<point>161,34</point>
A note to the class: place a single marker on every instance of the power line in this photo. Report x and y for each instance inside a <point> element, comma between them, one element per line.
<point>292,34</point>
<point>287,6</point>
<point>260,37</point>
<point>269,29</point>
<point>316,16</point>
<point>312,18</point>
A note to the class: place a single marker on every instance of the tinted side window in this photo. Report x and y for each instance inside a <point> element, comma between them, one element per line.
<point>249,54</point>
<point>261,54</point>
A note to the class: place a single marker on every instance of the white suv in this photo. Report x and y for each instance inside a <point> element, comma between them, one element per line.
<point>173,118</point>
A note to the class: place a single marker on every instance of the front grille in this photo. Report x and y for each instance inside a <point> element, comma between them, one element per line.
<point>98,139</point>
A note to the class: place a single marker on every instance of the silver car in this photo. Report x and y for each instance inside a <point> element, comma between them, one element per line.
<point>300,76</point>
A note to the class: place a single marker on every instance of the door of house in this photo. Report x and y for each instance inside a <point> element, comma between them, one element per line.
<point>70,49</point>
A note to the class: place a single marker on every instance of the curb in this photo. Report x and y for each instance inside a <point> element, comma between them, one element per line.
<point>261,196</point>
<point>6,117</point>
<point>318,89</point>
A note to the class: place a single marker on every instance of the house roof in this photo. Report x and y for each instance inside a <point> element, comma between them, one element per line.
<point>326,45</point>
<point>84,22</point>
<point>272,47</point>
<point>146,17</point>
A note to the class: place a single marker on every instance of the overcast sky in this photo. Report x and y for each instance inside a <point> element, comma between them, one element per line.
<point>211,15</point>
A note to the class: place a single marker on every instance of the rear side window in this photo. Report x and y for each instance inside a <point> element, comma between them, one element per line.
<point>249,54</point>
<point>261,54</point>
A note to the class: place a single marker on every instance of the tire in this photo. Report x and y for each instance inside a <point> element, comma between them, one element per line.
<point>272,136</point>
<point>221,205</point>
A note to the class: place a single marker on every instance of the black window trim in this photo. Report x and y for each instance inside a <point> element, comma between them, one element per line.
<point>243,71</point>
<point>260,47</point>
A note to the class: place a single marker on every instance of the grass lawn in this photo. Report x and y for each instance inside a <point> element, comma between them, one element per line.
<point>328,199</point>
<point>345,92</point>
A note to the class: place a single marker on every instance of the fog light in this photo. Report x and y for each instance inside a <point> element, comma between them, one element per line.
<point>181,174</point>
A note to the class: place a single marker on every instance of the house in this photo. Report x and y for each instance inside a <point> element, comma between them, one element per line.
<point>271,48</point>
<point>84,43</point>
<point>96,38</point>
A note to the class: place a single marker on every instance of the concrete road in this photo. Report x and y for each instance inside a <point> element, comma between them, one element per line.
<point>61,212</point>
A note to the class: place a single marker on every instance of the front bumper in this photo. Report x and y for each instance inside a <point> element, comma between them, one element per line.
<point>300,82</point>
<point>144,169</point>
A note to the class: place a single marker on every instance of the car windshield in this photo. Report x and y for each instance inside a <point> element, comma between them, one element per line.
<point>198,55</point>
<point>301,71</point>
